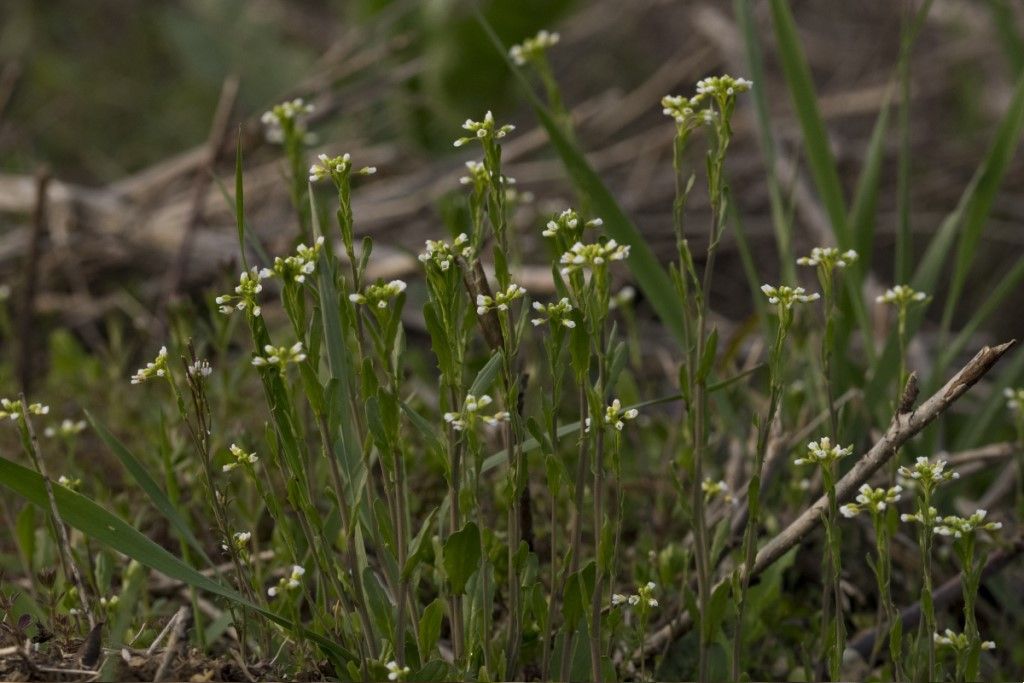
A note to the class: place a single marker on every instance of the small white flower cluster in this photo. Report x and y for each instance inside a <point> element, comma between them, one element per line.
<point>533,48</point>
<point>823,452</point>
<point>713,489</point>
<point>592,255</point>
<point>288,583</point>
<point>873,500</point>
<point>501,300</point>
<point>784,296</point>
<point>959,641</point>
<point>828,258</point>
<point>1014,399</point>
<point>442,254</point>
<point>901,296</point>
<point>396,672</point>
<point>686,111</point>
<point>689,112</point>
<point>484,130</point>
<point>559,313</point>
<point>568,223</point>
<point>723,86</point>
<point>239,540</point>
<point>335,168</point>
<point>379,294</point>
<point>15,409</point>
<point>110,603</point>
<point>66,429</point>
<point>927,520</point>
<point>928,473</point>
<point>296,268</point>
<point>245,297</point>
<point>471,413</point>
<point>158,368</point>
<point>241,458</point>
<point>287,114</point>
<point>644,595</point>
<point>200,368</point>
<point>958,527</point>
<point>69,482</point>
<point>280,356</point>
<point>615,416</point>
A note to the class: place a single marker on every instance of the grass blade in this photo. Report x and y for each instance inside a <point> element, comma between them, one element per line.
<point>149,486</point>
<point>801,89</point>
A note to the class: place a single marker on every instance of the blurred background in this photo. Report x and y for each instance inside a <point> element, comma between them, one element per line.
<point>127,114</point>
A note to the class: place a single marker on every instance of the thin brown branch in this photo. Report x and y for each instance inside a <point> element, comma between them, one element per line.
<point>902,428</point>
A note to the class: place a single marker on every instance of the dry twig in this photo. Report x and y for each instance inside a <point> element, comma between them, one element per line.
<point>902,428</point>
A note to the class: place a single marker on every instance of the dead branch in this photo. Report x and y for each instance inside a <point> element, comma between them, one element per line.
<point>902,428</point>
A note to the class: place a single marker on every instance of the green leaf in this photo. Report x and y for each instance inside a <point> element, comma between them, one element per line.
<point>486,376</point>
<point>418,549</point>
<point>103,527</point>
<point>462,556</point>
<point>578,590</point>
<point>430,627</point>
<point>710,352</point>
<point>649,274</point>
<point>149,486</point>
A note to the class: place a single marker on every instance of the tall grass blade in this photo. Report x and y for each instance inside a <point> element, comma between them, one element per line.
<point>801,89</point>
<point>152,490</point>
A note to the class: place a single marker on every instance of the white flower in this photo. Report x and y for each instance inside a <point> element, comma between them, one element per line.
<point>784,297</point>
<point>158,368</point>
<point>246,293</point>
<point>69,483</point>
<point>280,356</point>
<point>723,86</point>
<point>241,458</point>
<point>823,451</point>
<point>396,672</point>
<point>500,301</point>
<point>618,599</point>
<point>288,583</point>
<point>484,130</point>
<point>66,429</point>
<point>286,117</point>
<point>901,296</point>
<point>568,223</point>
<point>615,416</point>
<point>1014,399</point>
<point>380,294</point>
<point>559,313</point>
<point>958,527</point>
<point>200,368</point>
<point>592,256</point>
<point>623,297</point>
<point>295,268</point>
<point>470,414</point>
<point>533,48</point>
<point>874,500</point>
<point>927,473</point>
<point>828,258</point>
<point>442,255</point>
